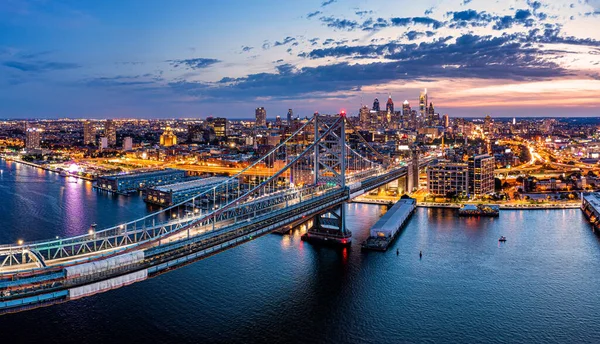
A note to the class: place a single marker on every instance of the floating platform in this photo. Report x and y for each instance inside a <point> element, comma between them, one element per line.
<point>479,210</point>
<point>383,233</point>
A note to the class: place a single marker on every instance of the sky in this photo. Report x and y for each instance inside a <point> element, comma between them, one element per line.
<point>196,58</point>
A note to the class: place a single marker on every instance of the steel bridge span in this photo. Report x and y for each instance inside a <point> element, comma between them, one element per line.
<point>317,180</point>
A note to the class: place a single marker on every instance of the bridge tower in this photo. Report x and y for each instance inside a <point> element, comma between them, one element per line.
<point>412,178</point>
<point>330,170</point>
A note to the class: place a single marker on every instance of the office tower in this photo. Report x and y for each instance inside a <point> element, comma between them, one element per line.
<point>261,117</point>
<point>481,175</point>
<point>423,104</point>
<point>278,122</point>
<point>89,133</point>
<point>376,105</point>
<point>290,117</point>
<point>168,138</point>
<point>446,120</point>
<point>32,138</point>
<point>195,133</point>
<point>487,125</point>
<point>220,125</point>
<point>389,106</point>
<point>446,178</point>
<point>110,132</point>
<point>364,116</point>
<point>127,144</point>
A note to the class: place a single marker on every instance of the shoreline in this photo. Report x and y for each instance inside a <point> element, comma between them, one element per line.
<point>504,206</point>
<point>31,164</point>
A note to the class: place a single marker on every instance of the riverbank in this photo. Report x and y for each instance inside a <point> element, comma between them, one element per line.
<point>566,205</point>
<point>62,173</point>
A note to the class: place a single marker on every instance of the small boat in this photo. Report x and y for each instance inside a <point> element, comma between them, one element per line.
<point>502,239</point>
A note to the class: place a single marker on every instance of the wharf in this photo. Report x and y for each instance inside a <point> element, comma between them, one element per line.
<point>383,233</point>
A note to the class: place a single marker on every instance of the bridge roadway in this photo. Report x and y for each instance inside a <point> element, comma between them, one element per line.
<point>63,280</point>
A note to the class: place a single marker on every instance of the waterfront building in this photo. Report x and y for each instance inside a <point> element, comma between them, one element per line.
<point>481,175</point>
<point>110,132</point>
<point>447,178</point>
<point>33,138</point>
<point>126,183</point>
<point>127,144</point>
<point>168,138</point>
<point>261,117</point>
<point>170,194</point>
<point>89,133</point>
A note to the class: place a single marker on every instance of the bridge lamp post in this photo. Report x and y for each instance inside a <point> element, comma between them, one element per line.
<point>20,242</point>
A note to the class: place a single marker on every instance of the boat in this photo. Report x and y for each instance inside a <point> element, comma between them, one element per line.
<point>502,239</point>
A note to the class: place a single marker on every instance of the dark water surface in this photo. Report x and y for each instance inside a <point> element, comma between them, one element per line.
<point>542,285</point>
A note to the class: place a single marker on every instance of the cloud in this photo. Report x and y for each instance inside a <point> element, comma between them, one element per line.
<point>374,25</point>
<point>363,13</point>
<point>246,48</point>
<point>313,14</point>
<point>195,63</point>
<point>340,24</point>
<point>327,2</point>
<point>406,21</point>
<point>39,66</point>
<point>285,41</point>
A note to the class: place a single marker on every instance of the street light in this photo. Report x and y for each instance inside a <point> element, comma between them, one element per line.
<point>20,242</point>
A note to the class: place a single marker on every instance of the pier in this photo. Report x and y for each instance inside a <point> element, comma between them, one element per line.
<point>383,233</point>
<point>590,205</point>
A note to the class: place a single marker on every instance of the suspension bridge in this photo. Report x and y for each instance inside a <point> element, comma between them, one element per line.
<point>321,171</point>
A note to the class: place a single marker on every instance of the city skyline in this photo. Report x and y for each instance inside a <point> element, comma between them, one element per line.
<point>119,60</point>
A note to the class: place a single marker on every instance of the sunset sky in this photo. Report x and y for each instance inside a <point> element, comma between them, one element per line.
<point>188,58</point>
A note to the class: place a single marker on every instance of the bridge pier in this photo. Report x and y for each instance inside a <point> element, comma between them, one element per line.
<point>330,228</point>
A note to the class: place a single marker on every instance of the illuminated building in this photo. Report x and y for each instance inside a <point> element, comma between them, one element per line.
<point>446,121</point>
<point>261,117</point>
<point>290,117</point>
<point>89,133</point>
<point>33,138</point>
<point>423,104</point>
<point>481,175</point>
<point>389,106</point>
<point>364,116</point>
<point>448,178</point>
<point>168,138</point>
<point>221,127</point>
<point>110,132</point>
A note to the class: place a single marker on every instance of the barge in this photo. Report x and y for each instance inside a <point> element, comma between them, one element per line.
<point>383,233</point>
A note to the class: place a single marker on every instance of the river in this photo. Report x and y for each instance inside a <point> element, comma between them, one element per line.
<point>539,286</point>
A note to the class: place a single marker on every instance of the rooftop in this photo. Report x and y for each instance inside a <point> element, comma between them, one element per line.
<point>191,184</point>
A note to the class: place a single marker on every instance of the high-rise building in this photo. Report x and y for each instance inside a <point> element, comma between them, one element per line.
<point>363,116</point>
<point>127,143</point>
<point>290,117</point>
<point>110,132</point>
<point>221,127</point>
<point>389,106</point>
<point>423,104</point>
<point>481,175</point>
<point>168,138</point>
<point>33,138</point>
<point>89,133</point>
<point>103,142</point>
<point>446,121</point>
<point>261,117</point>
<point>195,133</point>
<point>376,105</point>
<point>487,125</point>
<point>278,122</point>
<point>445,178</point>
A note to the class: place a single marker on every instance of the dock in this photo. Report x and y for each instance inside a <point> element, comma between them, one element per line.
<point>383,233</point>
<point>590,205</point>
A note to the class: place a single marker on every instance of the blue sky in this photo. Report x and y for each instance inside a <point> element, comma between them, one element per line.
<point>182,58</point>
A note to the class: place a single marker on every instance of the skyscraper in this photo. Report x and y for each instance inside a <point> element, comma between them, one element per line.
<point>389,106</point>
<point>261,117</point>
<point>89,133</point>
<point>32,138</point>
<point>127,143</point>
<point>376,105</point>
<point>446,120</point>
<point>363,116</point>
<point>110,132</point>
<point>406,113</point>
<point>290,117</point>
<point>423,104</point>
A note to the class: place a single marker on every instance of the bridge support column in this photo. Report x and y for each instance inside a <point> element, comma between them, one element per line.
<point>330,228</point>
